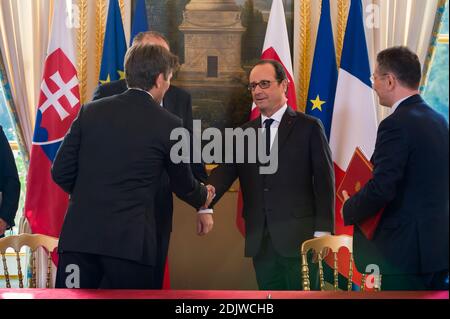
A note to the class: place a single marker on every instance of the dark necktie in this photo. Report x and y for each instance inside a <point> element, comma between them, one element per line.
<point>267,124</point>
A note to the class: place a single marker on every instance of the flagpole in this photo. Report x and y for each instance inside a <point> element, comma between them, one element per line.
<point>304,59</point>
<point>82,49</point>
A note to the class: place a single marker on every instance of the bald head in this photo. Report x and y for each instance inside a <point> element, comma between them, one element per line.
<point>151,38</point>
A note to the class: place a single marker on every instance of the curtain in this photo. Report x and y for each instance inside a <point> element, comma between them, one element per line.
<point>388,23</point>
<point>402,22</point>
<point>24,27</point>
<point>12,110</point>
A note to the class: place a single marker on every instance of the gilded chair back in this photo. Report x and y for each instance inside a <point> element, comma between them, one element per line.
<point>333,243</point>
<point>34,241</point>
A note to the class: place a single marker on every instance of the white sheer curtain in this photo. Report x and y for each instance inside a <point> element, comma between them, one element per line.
<point>397,22</point>
<point>402,22</point>
<point>24,28</point>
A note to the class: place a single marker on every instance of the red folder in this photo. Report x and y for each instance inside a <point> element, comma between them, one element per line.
<point>359,172</point>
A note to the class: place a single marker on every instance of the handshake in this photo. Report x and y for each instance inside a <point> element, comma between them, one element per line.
<point>204,219</point>
<point>211,194</point>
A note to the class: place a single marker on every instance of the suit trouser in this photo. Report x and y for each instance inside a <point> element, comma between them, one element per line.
<point>276,272</point>
<point>82,270</point>
<point>161,257</point>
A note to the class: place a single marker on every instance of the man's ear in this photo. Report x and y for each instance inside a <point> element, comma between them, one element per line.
<point>285,86</point>
<point>391,81</point>
<point>159,80</point>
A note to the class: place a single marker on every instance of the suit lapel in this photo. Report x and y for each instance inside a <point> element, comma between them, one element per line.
<point>287,123</point>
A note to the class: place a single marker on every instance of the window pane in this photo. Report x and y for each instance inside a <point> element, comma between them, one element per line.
<point>5,118</point>
<point>8,128</point>
<point>444,28</point>
<point>436,91</point>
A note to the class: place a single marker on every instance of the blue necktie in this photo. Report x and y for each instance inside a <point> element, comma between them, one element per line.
<point>267,124</point>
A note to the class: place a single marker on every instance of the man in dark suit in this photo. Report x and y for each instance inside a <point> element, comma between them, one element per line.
<point>283,209</point>
<point>179,103</point>
<point>410,181</point>
<point>110,163</point>
<point>9,185</point>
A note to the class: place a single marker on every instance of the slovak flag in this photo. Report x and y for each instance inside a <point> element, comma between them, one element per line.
<point>276,47</point>
<point>59,103</point>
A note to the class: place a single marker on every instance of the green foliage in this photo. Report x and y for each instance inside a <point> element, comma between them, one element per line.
<point>174,11</point>
<point>253,37</point>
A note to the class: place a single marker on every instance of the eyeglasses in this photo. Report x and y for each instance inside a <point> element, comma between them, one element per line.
<point>373,78</point>
<point>263,84</point>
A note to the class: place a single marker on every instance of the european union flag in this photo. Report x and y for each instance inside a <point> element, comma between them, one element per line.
<point>140,23</point>
<point>324,75</point>
<point>114,46</point>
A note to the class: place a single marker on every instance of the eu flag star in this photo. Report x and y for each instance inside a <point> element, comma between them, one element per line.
<point>317,104</point>
<point>121,74</point>
<point>108,79</point>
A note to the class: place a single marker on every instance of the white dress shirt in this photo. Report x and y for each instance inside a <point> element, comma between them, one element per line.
<point>276,123</point>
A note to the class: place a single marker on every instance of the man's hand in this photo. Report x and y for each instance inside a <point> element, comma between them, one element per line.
<point>204,223</point>
<point>3,226</point>
<point>346,197</point>
<point>211,195</point>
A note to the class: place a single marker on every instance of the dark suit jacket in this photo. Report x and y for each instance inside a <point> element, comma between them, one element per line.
<point>110,163</point>
<point>177,102</point>
<point>410,180</point>
<point>298,199</point>
<point>9,182</point>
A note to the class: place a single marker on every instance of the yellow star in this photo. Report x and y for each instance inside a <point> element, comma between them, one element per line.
<point>108,79</point>
<point>317,104</point>
<point>121,75</point>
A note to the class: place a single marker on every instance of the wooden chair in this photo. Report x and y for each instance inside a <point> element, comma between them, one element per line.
<point>34,241</point>
<point>333,243</point>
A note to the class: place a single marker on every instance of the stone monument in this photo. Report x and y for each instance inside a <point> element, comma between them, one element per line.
<point>212,43</point>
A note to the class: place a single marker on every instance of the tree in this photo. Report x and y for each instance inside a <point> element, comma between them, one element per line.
<point>174,14</point>
<point>253,37</point>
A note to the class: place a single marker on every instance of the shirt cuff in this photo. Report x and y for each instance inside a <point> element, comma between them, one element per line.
<point>321,233</point>
<point>205,211</point>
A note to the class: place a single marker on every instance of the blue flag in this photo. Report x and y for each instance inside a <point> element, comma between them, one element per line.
<point>140,23</point>
<point>114,46</point>
<point>324,74</point>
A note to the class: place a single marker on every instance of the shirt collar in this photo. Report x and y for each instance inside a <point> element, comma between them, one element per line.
<point>395,106</point>
<point>139,89</point>
<point>277,116</point>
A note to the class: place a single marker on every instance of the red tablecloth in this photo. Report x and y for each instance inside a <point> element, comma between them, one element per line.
<point>211,294</point>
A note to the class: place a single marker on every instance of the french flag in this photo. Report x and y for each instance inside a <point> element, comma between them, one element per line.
<point>354,121</point>
<point>59,103</point>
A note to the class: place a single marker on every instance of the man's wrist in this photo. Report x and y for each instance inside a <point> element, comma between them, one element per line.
<point>205,211</point>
